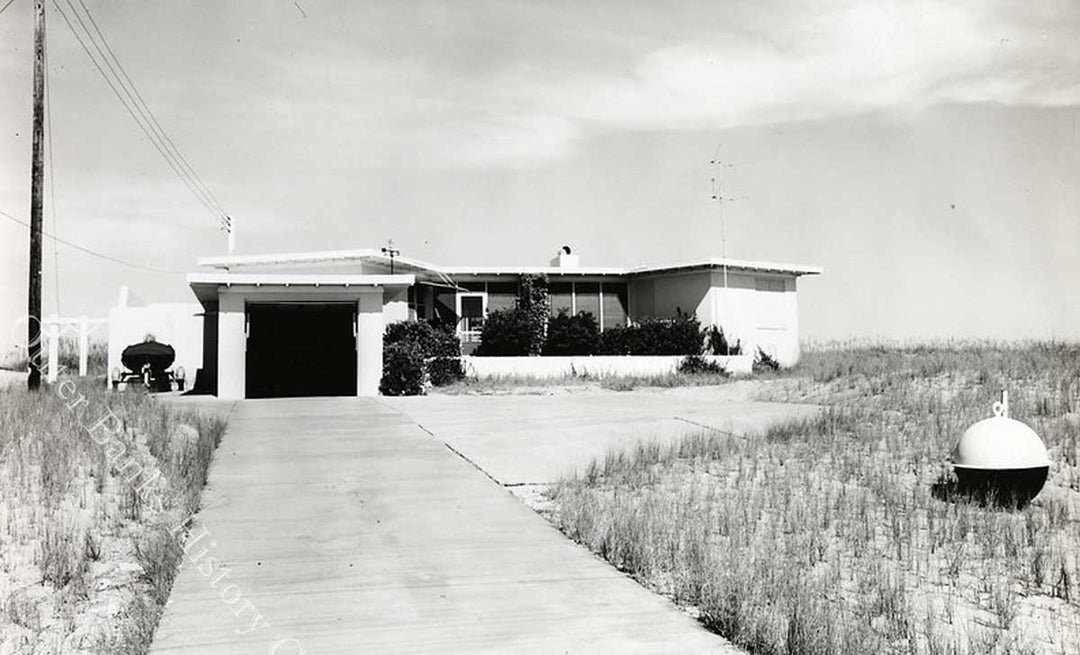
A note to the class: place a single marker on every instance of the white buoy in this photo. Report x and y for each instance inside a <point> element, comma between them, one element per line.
<point>1000,459</point>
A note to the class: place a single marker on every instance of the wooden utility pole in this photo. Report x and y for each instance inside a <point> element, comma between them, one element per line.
<point>37,186</point>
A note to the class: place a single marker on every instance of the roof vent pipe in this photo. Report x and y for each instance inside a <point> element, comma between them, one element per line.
<point>564,259</point>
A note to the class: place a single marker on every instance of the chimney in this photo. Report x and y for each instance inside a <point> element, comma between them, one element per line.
<point>565,259</point>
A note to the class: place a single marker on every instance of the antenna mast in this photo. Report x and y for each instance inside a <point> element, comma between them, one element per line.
<point>718,196</point>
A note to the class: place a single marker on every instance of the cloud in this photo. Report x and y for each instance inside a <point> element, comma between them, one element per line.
<point>858,57</point>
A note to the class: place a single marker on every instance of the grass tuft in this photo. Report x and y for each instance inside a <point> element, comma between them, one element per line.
<point>825,535</point>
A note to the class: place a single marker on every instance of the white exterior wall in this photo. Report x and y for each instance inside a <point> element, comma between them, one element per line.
<point>369,342</point>
<point>754,317</point>
<point>592,365</point>
<point>232,339</point>
<point>232,345</point>
<point>178,325</point>
<point>396,306</point>
<point>765,319</point>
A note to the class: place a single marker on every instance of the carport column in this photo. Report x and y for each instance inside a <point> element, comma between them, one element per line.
<point>369,337</point>
<point>232,346</point>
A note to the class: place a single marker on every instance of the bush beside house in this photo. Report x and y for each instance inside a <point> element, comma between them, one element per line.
<point>717,344</point>
<point>512,333</point>
<point>681,335</point>
<point>507,333</point>
<point>572,335</point>
<point>403,369</point>
<point>415,353</point>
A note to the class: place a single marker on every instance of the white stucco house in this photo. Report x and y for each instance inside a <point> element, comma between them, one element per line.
<point>312,323</point>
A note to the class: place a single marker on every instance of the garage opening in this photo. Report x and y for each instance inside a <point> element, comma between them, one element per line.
<point>300,349</point>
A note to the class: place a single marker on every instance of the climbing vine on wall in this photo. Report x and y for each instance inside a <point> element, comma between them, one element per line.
<point>534,302</point>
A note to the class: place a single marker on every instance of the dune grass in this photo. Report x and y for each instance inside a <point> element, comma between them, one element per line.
<point>94,489</point>
<point>824,536</point>
<point>67,356</point>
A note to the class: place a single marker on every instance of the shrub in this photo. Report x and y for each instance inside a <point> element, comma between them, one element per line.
<point>435,340</point>
<point>438,348</point>
<point>678,336</point>
<point>764,362</point>
<point>403,369</point>
<point>507,332</point>
<point>696,365</point>
<point>615,341</point>
<point>572,335</point>
<point>445,370</point>
<point>684,336</point>
<point>717,344</point>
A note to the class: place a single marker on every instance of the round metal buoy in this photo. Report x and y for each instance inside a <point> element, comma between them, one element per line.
<point>1001,460</point>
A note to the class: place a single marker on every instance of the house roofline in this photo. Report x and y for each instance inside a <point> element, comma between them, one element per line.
<point>271,259</point>
<point>739,264</point>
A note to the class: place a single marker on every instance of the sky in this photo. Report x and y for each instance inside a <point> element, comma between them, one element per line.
<point>926,154</point>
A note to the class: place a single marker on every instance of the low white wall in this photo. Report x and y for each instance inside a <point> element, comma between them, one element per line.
<point>596,365</point>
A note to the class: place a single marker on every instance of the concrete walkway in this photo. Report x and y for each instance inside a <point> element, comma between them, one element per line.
<point>338,526</point>
<point>533,440</point>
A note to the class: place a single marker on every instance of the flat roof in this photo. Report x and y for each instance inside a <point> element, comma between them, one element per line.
<point>371,254</point>
<point>300,279</point>
<point>741,264</point>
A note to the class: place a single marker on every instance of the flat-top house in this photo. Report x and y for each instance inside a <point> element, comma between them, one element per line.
<point>312,323</point>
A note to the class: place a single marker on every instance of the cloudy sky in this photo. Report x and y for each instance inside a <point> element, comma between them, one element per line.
<point>927,154</point>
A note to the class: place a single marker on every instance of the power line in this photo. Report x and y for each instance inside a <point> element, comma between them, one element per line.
<point>132,112</point>
<point>6,5</point>
<point>92,252</point>
<point>148,112</point>
<point>52,174</point>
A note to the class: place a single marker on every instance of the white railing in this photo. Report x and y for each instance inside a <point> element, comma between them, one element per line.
<point>469,329</point>
<point>51,335</point>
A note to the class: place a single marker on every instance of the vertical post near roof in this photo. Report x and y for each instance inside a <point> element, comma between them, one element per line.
<point>601,306</point>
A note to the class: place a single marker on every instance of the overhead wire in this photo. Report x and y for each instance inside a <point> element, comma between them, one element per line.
<point>88,251</point>
<point>154,140</point>
<point>6,5</point>
<point>148,113</point>
<point>52,173</point>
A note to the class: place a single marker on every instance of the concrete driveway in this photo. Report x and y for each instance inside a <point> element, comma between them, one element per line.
<point>533,440</point>
<point>339,526</point>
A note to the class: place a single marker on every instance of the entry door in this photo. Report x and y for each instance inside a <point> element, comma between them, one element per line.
<point>301,349</point>
<point>472,307</point>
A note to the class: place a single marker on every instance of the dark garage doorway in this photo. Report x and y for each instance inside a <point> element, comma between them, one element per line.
<point>300,349</point>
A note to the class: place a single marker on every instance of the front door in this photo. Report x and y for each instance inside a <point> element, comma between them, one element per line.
<point>471,310</point>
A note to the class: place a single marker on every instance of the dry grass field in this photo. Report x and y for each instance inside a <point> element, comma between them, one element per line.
<point>94,489</point>
<point>825,536</point>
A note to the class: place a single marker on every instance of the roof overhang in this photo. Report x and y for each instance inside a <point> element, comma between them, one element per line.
<point>736,264</point>
<point>422,267</point>
<point>207,286</point>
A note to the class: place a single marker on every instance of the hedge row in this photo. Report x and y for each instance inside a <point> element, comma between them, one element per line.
<point>417,353</point>
<point>509,332</point>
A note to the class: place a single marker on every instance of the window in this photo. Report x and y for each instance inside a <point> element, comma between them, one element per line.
<point>502,295</point>
<point>614,303</point>
<point>588,298</point>
<point>561,299</point>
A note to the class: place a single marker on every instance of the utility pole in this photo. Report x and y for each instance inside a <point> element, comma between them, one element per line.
<point>37,186</point>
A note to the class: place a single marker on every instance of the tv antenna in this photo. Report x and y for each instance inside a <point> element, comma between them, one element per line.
<point>390,251</point>
<point>717,181</point>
